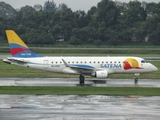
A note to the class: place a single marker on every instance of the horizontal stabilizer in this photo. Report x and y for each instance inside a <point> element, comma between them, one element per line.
<point>14,60</point>
<point>7,61</point>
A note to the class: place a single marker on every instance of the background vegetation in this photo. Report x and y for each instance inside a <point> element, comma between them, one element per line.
<point>108,23</point>
<point>84,51</point>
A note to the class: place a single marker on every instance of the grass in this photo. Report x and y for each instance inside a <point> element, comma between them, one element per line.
<point>104,51</point>
<point>98,50</point>
<point>117,91</point>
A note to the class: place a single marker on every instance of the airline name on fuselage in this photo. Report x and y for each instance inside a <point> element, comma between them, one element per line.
<point>26,54</point>
<point>111,65</point>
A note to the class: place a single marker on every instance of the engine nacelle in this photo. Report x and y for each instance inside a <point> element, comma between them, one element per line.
<point>100,74</point>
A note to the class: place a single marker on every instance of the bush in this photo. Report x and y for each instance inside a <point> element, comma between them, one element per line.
<point>74,40</point>
<point>97,42</point>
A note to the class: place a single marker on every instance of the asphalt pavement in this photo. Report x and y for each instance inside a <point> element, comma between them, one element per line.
<point>74,107</point>
<point>75,82</point>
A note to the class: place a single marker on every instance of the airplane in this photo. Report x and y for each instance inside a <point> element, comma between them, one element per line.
<point>99,67</point>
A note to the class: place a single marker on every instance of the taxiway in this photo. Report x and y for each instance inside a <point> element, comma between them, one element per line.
<point>74,107</point>
<point>75,82</point>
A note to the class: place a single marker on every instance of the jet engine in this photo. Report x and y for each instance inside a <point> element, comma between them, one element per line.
<point>100,74</point>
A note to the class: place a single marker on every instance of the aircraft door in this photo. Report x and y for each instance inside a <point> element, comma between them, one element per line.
<point>45,64</point>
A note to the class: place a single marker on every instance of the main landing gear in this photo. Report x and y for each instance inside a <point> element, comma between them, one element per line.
<point>81,80</point>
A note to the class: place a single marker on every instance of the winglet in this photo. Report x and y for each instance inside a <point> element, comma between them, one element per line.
<point>17,47</point>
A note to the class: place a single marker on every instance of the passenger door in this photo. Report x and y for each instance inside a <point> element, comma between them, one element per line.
<point>45,64</point>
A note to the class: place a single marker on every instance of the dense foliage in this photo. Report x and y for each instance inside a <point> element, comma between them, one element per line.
<point>109,22</point>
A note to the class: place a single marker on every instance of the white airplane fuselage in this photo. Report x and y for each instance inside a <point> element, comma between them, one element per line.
<point>92,64</point>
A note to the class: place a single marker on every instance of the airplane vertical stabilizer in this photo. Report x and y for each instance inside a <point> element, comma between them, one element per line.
<point>17,47</point>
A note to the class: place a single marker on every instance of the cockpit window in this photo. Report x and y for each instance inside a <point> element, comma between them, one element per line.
<point>144,61</point>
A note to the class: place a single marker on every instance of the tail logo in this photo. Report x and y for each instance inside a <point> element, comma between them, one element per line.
<point>17,47</point>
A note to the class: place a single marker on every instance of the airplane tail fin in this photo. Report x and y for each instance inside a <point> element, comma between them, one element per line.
<point>17,47</point>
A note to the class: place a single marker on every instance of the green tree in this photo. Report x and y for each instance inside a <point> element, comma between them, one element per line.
<point>62,7</point>
<point>108,12</point>
<point>151,9</point>
<point>152,27</point>
<point>50,6</point>
<point>79,19</point>
<point>74,40</point>
<point>2,29</point>
<point>130,22</point>
<point>23,14</point>
<point>7,11</point>
<point>38,37</point>
<point>97,42</point>
<point>65,21</point>
<point>110,22</point>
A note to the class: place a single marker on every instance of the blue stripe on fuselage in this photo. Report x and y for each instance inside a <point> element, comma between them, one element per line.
<point>83,66</point>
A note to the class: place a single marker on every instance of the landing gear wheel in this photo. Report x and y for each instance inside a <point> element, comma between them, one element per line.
<point>136,81</point>
<point>81,80</point>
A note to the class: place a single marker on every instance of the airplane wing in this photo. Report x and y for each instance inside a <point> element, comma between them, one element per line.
<point>78,66</point>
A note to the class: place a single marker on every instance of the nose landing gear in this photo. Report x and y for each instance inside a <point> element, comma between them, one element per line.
<point>135,81</point>
<point>136,78</point>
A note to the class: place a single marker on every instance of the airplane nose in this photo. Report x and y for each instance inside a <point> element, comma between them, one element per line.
<point>154,68</point>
